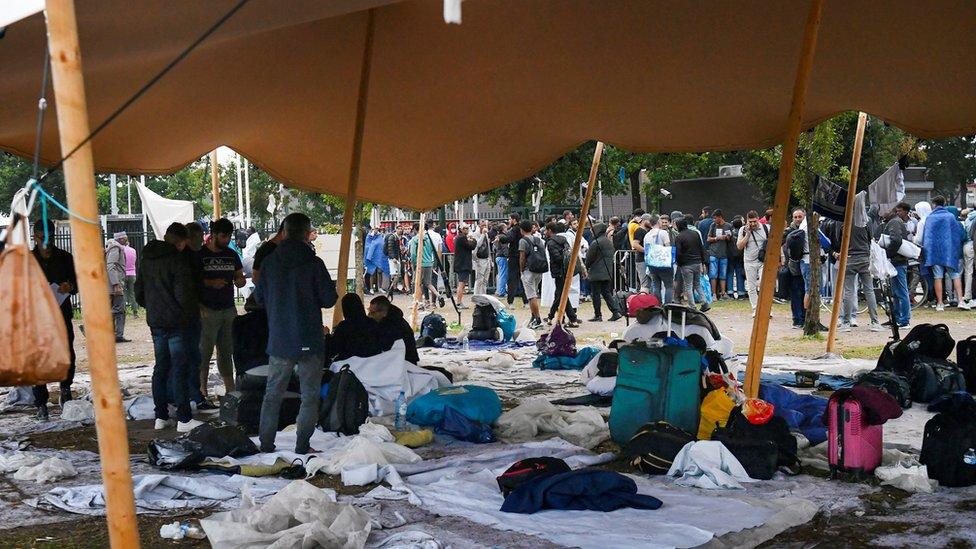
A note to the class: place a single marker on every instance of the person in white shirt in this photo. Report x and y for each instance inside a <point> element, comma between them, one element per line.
<point>752,238</point>
<point>661,278</point>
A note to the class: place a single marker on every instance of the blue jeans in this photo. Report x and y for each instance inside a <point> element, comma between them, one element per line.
<point>501,280</point>
<point>170,364</point>
<point>797,291</point>
<point>899,287</point>
<point>662,283</point>
<point>191,348</point>
<point>736,277</point>
<point>717,267</point>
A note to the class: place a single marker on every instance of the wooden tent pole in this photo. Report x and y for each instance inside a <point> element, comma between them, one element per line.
<point>845,241</point>
<point>584,217</point>
<point>215,184</point>
<point>349,213</point>
<point>760,327</point>
<point>79,175</point>
<point>418,287</point>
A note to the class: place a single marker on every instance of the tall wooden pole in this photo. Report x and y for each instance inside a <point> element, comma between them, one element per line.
<point>240,195</point>
<point>418,287</point>
<point>845,241</point>
<point>760,328</point>
<point>247,192</point>
<point>79,175</point>
<point>584,217</point>
<point>215,184</point>
<point>357,152</point>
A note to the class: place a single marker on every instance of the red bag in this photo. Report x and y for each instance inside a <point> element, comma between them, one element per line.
<point>642,300</point>
<point>558,342</point>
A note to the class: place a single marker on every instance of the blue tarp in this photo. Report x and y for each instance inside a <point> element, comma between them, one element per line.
<point>578,362</point>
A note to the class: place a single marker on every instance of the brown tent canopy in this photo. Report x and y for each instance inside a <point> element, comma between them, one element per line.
<point>458,109</point>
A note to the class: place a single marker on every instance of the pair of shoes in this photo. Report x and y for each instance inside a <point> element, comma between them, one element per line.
<point>875,327</point>
<point>854,323</point>
<point>42,414</point>
<point>596,319</point>
<point>705,307</point>
<point>779,301</point>
<point>187,426</point>
<point>122,340</point>
<point>207,405</point>
<point>940,308</point>
<point>163,424</point>
<point>798,326</point>
<point>616,317</point>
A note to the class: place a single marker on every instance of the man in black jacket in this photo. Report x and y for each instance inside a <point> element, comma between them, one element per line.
<point>691,261</point>
<point>59,268</point>
<point>599,271</point>
<point>166,289</point>
<point>512,238</point>
<point>464,244</point>
<point>393,327</point>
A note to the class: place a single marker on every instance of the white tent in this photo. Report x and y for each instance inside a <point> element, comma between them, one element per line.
<point>163,211</point>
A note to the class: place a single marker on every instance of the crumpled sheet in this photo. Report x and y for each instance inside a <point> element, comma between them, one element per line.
<point>708,464</point>
<point>140,407</point>
<point>536,417</point>
<point>409,539</point>
<point>49,470</point>
<point>362,450</point>
<point>299,516</point>
<point>910,478</point>
<point>11,463</point>
<point>161,494</point>
<point>78,410</point>
<point>602,386</point>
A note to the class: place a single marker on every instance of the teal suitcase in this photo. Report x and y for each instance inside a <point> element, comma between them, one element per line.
<point>655,383</point>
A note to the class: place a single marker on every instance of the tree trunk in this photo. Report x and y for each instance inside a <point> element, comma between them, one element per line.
<point>811,326</point>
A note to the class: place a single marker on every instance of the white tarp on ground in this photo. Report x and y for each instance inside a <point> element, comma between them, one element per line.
<point>162,212</point>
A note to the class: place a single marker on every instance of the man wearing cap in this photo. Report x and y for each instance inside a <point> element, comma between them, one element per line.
<point>115,263</point>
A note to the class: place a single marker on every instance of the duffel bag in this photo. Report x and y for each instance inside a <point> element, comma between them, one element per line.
<point>775,430</point>
<point>931,378</point>
<point>931,340</point>
<point>758,457</point>
<point>472,401</point>
<point>890,383</point>
<point>654,446</point>
<point>949,449</point>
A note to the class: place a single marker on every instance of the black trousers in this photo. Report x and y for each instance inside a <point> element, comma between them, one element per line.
<point>603,290</point>
<point>515,282</point>
<point>570,311</point>
<point>41,393</point>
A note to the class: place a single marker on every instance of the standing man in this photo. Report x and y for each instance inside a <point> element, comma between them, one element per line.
<point>897,230</point>
<point>427,257</point>
<point>942,242</point>
<point>482,258</point>
<point>220,270</point>
<point>391,249</point>
<point>294,287</point>
<point>560,251</point>
<point>130,278</point>
<point>705,222</point>
<point>719,235</point>
<point>637,245</point>
<point>165,287</point>
<point>501,262</point>
<point>599,267</point>
<point>191,333</point>
<point>512,238</point>
<point>661,278</point>
<point>690,254</point>
<point>858,269</point>
<point>531,280</point>
<point>752,238</point>
<point>115,263</point>
<point>464,244</point>
<point>59,268</point>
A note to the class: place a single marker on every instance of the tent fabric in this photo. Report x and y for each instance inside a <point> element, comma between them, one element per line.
<point>454,110</point>
<point>162,212</point>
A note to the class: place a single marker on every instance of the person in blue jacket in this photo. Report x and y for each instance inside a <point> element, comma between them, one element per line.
<point>294,287</point>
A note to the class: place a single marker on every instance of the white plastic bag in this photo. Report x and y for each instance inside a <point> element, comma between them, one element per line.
<point>881,266</point>
<point>49,470</point>
<point>77,410</point>
<point>13,462</point>
<point>538,418</point>
<point>360,451</point>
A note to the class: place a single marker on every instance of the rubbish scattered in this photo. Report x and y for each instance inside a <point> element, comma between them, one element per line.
<point>415,439</point>
<point>49,470</point>
<point>536,418</point>
<point>178,531</point>
<point>11,463</point>
<point>360,451</point>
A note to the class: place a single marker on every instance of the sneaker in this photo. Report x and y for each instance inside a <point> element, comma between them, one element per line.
<point>798,326</point>
<point>534,324</point>
<point>854,323</point>
<point>846,327</point>
<point>615,317</point>
<point>875,327</point>
<point>187,426</point>
<point>573,324</point>
<point>705,307</point>
<point>207,405</point>
<point>596,319</point>
<point>939,308</point>
<point>965,305</point>
<point>122,340</point>
<point>42,414</point>
<point>163,424</point>
<point>440,300</point>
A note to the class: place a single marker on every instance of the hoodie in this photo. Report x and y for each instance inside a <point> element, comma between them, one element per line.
<point>923,209</point>
<point>294,287</point>
<point>394,328</point>
<point>115,262</point>
<point>599,259</point>
<point>165,287</point>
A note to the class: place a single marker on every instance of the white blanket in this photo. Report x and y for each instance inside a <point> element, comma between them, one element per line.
<point>386,374</point>
<point>537,417</point>
<point>708,464</point>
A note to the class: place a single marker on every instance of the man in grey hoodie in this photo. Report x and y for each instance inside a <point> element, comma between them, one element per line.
<point>115,263</point>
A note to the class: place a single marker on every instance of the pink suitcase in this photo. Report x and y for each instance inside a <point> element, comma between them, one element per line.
<point>853,446</point>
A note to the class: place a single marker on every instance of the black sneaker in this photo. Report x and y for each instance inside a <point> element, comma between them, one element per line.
<point>615,317</point>
<point>705,307</point>
<point>207,405</point>
<point>596,319</point>
<point>122,340</point>
<point>42,414</point>
<point>440,300</point>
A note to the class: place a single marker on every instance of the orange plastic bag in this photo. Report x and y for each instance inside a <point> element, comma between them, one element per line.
<point>33,337</point>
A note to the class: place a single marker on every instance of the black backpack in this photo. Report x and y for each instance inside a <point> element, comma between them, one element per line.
<point>931,378</point>
<point>391,246</point>
<point>796,242</point>
<point>528,469</point>
<point>931,340</point>
<point>535,260</point>
<point>948,438</point>
<point>888,382</point>
<point>607,364</point>
<point>654,446</point>
<point>433,326</point>
<point>776,430</point>
<point>346,406</point>
<point>484,318</point>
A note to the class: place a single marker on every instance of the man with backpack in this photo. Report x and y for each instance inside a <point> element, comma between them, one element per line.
<point>482,258</point>
<point>690,255</point>
<point>532,264</point>
<point>295,286</point>
<point>429,256</point>
<point>752,241</point>
<point>560,250</point>
<point>512,238</point>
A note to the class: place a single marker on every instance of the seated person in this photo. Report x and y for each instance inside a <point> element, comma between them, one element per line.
<point>392,326</point>
<point>355,335</point>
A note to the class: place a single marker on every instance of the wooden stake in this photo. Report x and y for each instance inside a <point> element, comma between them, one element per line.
<point>418,287</point>
<point>584,218</point>
<point>357,151</point>
<point>215,184</point>
<point>760,327</point>
<point>89,256</point>
<point>845,241</point>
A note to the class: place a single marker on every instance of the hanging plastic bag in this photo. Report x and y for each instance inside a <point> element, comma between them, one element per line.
<point>33,337</point>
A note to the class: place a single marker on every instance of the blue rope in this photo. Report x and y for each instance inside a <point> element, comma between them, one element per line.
<point>45,196</point>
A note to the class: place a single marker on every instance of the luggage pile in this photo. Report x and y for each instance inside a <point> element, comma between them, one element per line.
<point>921,360</point>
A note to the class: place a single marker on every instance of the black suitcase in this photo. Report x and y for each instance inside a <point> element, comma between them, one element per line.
<point>948,450</point>
<point>256,379</point>
<point>966,360</point>
<point>243,408</point>
<point>250,332</point>
<point>757,456</point>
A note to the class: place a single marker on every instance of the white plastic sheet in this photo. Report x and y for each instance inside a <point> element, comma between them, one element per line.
<point>360,451</point>
<point>299,516</point>
<point>77,410</point>
<point>537,417</point>
<point>13,462</point>
<point>708,464</point>
<point>49,470</point>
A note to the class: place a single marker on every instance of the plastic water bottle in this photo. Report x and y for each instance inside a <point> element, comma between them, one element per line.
<point>465,344</point>
<point>400,419</point>
<point>969,458</point>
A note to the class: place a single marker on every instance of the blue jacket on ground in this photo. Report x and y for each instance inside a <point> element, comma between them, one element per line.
<point>803,413</point>
<point>586,489</point>
<point>294,287</point>
<point>942,239</point>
